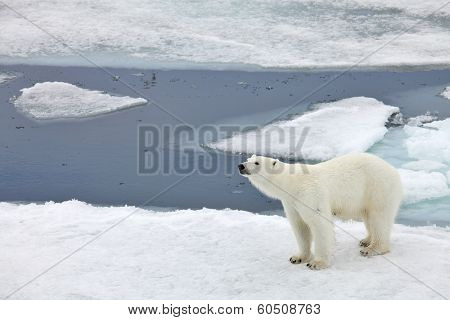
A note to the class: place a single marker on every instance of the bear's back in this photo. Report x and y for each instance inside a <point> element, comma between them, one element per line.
<point>360,181</point>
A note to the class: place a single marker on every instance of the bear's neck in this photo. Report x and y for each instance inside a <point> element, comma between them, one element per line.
<point>275,186</point>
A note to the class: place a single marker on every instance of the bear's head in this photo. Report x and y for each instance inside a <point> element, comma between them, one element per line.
<point>259,165</point>
<point>264,173</point>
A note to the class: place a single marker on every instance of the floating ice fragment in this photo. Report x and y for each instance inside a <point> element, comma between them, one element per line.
<point>56,100</point>
<point>330,130</point>
<point>422,119</point>
<point>446,93</point>
<point>6,77</point>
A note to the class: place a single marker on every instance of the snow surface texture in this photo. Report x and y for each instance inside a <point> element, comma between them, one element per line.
<point>5,77</point>
<point>204,254</point>
<point>56,100</point>
<point>267,33</point>
<point>331,130</point>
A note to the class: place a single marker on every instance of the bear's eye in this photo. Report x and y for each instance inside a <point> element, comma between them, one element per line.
<point>257,163</point>
<point>274,163</point>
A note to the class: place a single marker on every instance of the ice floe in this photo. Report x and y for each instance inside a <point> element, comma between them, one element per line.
<point>330,130</point>
<point>267,33</point>
<point>57,100</point>
<point>203,254</point>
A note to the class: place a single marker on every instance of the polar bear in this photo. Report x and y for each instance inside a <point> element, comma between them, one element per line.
<point>357,186</point>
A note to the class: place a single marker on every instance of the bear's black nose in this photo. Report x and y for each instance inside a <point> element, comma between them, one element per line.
<point>241,167</point>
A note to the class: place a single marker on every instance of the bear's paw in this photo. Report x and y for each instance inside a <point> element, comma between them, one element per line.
<point>298,259</point>
<point>317,265</point>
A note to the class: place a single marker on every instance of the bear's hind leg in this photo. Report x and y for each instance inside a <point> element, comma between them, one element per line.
<point>380,225</point>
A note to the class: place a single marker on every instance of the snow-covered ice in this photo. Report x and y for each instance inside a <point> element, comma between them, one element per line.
<point>56,100</point>
<point>267,33</point>
<point>330,130</point>
<point>203,254</point>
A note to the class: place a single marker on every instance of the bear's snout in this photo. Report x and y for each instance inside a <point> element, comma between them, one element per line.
<point>242,169</point>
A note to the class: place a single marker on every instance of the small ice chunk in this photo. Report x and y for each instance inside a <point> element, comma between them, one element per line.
<point>243,84</point>
<point>397,119</point>
<point>6,76</point>
<point>446,93</point>
<point>56,100</point>
<point>330,130</point>
<point>424,165</point>
<point>422,185</point>
<point>419,121</point>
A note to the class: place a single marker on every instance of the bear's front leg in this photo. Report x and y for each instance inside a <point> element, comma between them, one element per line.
<point>322,228</point>
<point>301,232</point>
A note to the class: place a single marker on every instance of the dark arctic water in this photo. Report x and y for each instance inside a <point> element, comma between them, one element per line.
<point>95,160</point>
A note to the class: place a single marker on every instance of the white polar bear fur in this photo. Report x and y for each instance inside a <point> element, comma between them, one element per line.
<point>357,186</point>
